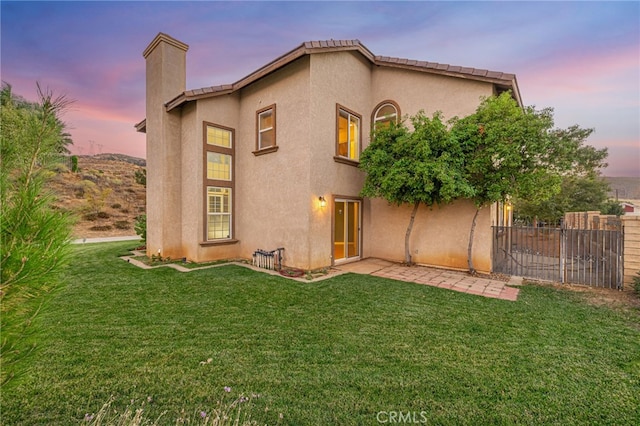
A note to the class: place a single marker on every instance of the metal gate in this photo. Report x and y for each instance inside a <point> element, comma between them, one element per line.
<point>581,256</point>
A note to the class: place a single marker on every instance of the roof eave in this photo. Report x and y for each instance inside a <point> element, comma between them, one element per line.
<point>510,82</point>
<point>141,126</point>
<point>304,49</point>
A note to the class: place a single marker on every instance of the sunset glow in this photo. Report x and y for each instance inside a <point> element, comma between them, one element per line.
<point>581,58</point>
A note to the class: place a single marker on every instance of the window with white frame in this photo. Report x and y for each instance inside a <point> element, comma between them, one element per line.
<point>266,126</point>
<point>384,114</point>
<point>218,213</point>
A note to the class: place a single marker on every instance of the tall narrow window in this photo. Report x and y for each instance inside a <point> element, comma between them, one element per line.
<point>266,130</point>
<point>348,134</point>
<point>384,114</point>
<point>218,182</point>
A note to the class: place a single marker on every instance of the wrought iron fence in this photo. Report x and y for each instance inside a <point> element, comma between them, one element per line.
<point>582,256</point>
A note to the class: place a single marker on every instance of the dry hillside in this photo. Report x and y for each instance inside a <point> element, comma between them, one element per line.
<point>103,194</point>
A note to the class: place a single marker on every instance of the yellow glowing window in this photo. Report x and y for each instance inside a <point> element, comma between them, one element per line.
<point>348,135</point>
<point>218,166</point>
<point>219,137</point>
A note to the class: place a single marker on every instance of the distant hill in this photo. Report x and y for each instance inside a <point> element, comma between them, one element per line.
<point>118,157</point>
<point>628,188</point>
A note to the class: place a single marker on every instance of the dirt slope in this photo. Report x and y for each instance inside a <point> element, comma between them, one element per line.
<point>103,194</point>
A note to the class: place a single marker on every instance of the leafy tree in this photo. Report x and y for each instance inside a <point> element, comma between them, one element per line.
<point>576,194</point>
<point>514,151</point>
<point>582,187</point>
<point>419,166</point>
<point>34,237</point>
<point>612,207</point>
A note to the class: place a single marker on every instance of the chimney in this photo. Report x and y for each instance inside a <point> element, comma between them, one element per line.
<point>166,60</point>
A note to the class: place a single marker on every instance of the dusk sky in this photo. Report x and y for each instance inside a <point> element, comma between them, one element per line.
<point>581,58</point>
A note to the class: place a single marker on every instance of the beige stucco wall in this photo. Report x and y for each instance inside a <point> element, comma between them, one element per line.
<point>276,194</point>
<point>165,76</point>
<point>440,234</point>
<point>272,189</point>
<point>340,78</point>
<point>415,91</point>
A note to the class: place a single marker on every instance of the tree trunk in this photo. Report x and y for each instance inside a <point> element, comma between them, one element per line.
<point>472,270</point>
<point>407,249</point>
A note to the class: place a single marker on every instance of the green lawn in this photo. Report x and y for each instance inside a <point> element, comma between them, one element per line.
<point>339,351</point>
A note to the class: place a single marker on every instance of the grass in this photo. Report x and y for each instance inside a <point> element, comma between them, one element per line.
<point>339,351</point>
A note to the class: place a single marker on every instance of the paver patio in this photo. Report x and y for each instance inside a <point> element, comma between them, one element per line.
<point>452,280</point>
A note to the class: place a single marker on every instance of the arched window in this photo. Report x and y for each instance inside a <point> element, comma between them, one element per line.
<point>385,113</point>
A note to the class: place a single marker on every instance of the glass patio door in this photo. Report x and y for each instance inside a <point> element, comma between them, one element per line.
<point>346,230</point>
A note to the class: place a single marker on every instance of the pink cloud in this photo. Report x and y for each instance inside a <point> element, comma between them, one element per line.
<point>584,73</point>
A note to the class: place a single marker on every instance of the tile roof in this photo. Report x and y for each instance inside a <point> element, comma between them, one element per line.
<point>503,80</point>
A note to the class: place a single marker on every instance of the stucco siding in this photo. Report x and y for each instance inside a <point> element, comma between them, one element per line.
<point>415,91</point>
<point>342,78</point>
<point>273,206</point>
<point>222,111</point>
<point>440,234</point>
<point>165,76</point>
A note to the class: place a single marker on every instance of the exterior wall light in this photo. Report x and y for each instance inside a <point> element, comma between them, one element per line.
<point>323,201</point>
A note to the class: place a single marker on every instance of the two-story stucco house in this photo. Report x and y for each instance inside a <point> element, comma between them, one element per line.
<point>272,160</point>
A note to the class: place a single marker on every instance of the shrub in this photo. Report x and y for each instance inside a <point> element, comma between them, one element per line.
<point>141,177</point>
<point>34,237</point>
<point>122,224</point>
<point>116,206</point>
<point>90,216</point>
<point>636,284</point>
<point>103,215</point>
<point>101,228</point>
<point>141,227</point>
<point>74,163</point>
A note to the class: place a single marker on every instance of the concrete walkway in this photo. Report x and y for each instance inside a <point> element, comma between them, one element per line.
<point>451,280</point>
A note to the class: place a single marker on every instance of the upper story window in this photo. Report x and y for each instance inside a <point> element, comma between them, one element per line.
<point>219,136</point>
<point>384,114</point>
<point>348,134</point>
<point>266,130</point>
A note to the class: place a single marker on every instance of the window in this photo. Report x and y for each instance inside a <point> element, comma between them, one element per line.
<point>348,134</point>
<point>385,113</point>
<point>218,166</point>
<point>218,213</point>
<point>218,182</point>
<point>266,130</point>
<point>218,136</point>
